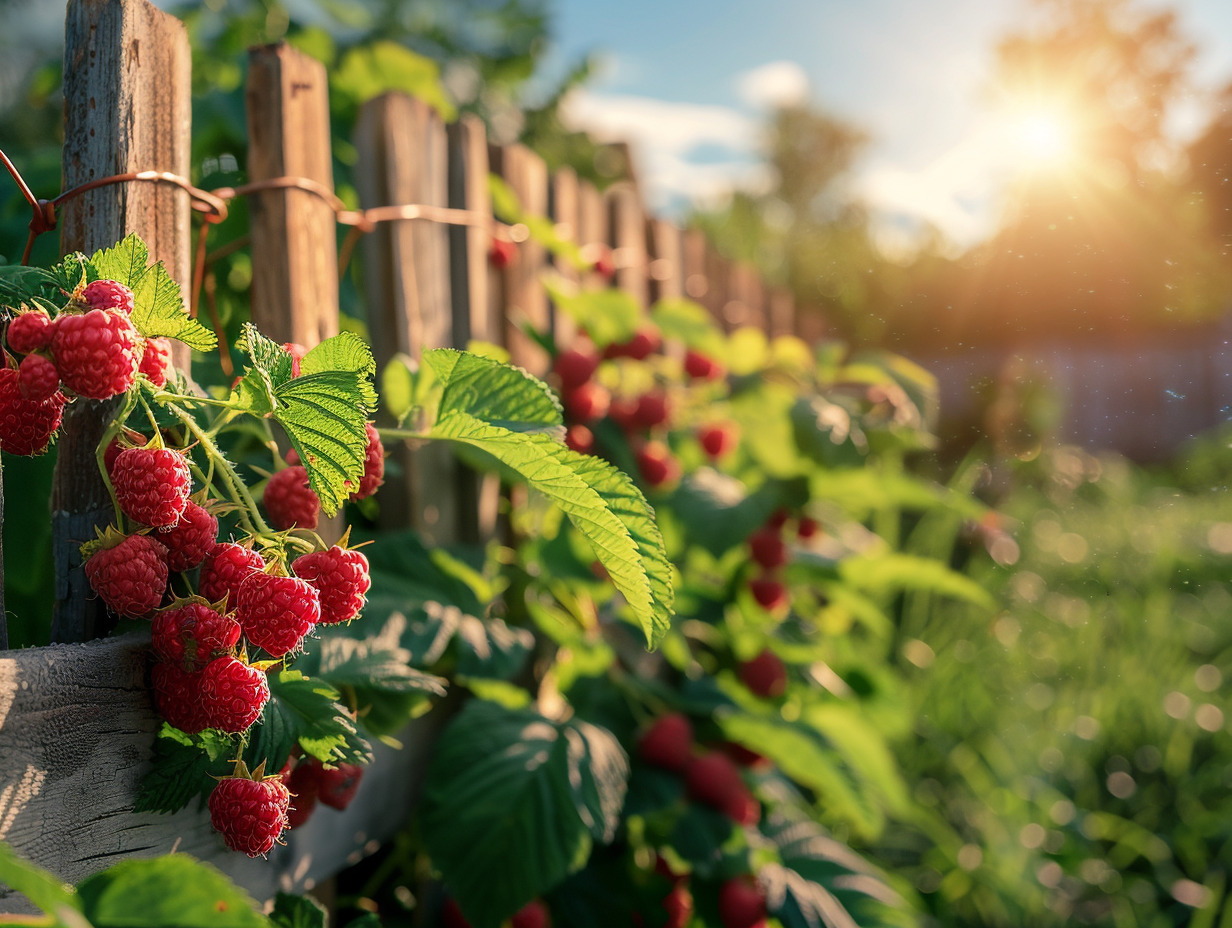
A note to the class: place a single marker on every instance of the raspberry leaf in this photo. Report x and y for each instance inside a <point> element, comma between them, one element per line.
<point>298,912</point>
<point>324,415</point>
<point>344,352</point>
<point>184,769</point>
<point>158,304</point>
<point>135,892</point>
<point>45,890</point>
<point>513,803</point>
<point>497,393</point>
<point>305,711</point>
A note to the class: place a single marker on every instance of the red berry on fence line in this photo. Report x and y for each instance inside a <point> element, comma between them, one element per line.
<point>129,573</point>
<point>225,567</point>
<point>26,427</point>
<point>276,612</point>
<point>193,633</point>
<point>155,361</point>
<point>341,579</point>
<point>191,539</point>
<point>152,485</point>
<point>37,378</point>
<point>108,294</point>
<point>290,501</point>
<point>501,253</point>
<point>29,331</point>
<point>96,352</point>
<point>233,694</point>
<point>249,811</point>
<point>374,465</point>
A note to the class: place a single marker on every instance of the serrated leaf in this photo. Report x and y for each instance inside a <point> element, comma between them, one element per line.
<point>45,890</point>
<point>344,352</point>
<point>173,891</point>
<point>513,803</point>
<point>890,572</point>
<point>266,355</point>
<point>307,711</point>
<point>183,770</point>
<point>497,393</point>
<point>158,304</point>
<point>601,501</point>
<point>298,912</point>
<point>324,416</point>
<point>608,316</point>
<point>689,322</point>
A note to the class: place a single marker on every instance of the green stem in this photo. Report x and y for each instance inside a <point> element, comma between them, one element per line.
<point>100,453</point>
<point>162,397</point>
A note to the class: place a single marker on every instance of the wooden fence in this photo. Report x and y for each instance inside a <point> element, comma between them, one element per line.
<point>76,719</point>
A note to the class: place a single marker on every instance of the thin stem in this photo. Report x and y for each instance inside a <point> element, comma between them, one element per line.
<point>100,453</point>
<point>166,396</point>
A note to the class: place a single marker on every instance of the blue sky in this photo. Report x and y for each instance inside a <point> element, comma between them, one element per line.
<point>689,82</point>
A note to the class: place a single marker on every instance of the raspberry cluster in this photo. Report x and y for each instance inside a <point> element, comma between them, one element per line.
<point>311,781</point>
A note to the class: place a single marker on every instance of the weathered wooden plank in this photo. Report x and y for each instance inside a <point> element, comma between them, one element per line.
<point>77,729</point>
<point>781,312</point>
<point>744,306</point>
<point>693,247</point>
<point>591,231</point>
<point>294,235</point>
<point>526,301</point>
<point>627,236</point>
<point>563,209</point>
<point>403,155</point>
<point>718,276</point>
<point>666,268</point>
<point>126,108</point>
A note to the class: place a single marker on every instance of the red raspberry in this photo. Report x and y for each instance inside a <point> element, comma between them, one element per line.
<point>765,675</point>
<point>156,361</point>
<point>668,742</point>
<point>532,915</point>
<point>374,465</point>
<point>250,811</point>
<point>718,439</point>
<point>26,427</point>
<point>96,352</point>
<point>777,519</point>
<point>129,575</point>
<point>276,612</point>
<point>678,904</point>
<point>301,781</point>
<point>37,378</point>
<point>807,527</point>
<point>225,568</point>
<point>586,402</point>
<point>177,694</point>
<point>340,576</point>
<point>335,786</point>
<point>191,539</point>
<point>657,465</point>
<point>701,367</point>
<point>767,548</point>
<point>623,411</point>
<point>29,331</point>
<point>604,265</point>
<point>232,694</point>
<point>575,366</point>
<point>769,593</point>
<point>297,352</point>
<point>645,342</point>
<point>451,914</point>
<point>741,903</point>
<point>152,485</point>
<point>714,780</point>
<point>108,294</point>
<point>580,439</point>
<point>290,502</point>
<point>501,253</point>
<point>192,634</point>
<point>652,410</point>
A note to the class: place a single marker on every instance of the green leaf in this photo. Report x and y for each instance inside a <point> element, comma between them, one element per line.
<point>373,68</point>
<point>513,803</point>
<point>607,316</point>
<point>385,690</point>
<point>267,355</point>
<point>891,572</point>
<point>174,891</point>
<point>505,203</point>
<point>399,386</point>
<point>483,647</point>
<point>344,352</point>
<point>683,320</point>
<point>499,394</point>
<point>306,711</point>
<point>602,503</point>
<point>158,305</point>
<point>45,890</point>
<point>324,416</point>
<point>298,912</point>
<point>184,768</point>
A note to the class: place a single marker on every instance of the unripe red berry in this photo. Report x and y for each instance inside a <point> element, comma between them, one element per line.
<point>668,743</point>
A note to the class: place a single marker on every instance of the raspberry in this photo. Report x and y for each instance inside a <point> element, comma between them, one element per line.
<point>177,694</point>
<point>225,568</point>
<point>340,576</point>
<point>301,781</point>
<point>297,352</point>
<point>679,906</point>
<point>667,743</point>
<point>586,402</point>
<point>335,786</point>
<point>807,527</point>
<point>37,378</point>
<point>192,633</point>
<point>233,694</point>
<point>717,440</point>
<point>29,331</point>
<point>501,253</point>
<point>777,519</point>
<point>714,780</point>
<point>604,265</point>
<point>623,410</point>
<point>580,439</point>
<point>129,572</point>
<point>374,465</point>
<point>26,427</point>
<point>770,593</point>
<point>575,366</point>
<point>765,674</point>
<point>156,361</point>
<point>276,612</point>
<point>290,502</point>
<point>152,485</point>
<point>701,367</point>
<point>532,915</point>
<point>108,294</point>
<point>652,410</point>
<point>643,344</point>
<point>741,903</point>
<point>249,810</point>
<point>96,352</point>
<point>767,548</point>
<point>657,465</point>
<point>191,539</point>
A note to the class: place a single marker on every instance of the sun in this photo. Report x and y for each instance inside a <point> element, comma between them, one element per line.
<point>1044,138</point>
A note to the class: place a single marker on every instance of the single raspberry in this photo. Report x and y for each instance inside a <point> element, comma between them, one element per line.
<point>605,264</point>
<point>532,915</point>
<point>37,378</point>
<point>714,780</point>
<point>156,361</point>
<point>26,427</point>
<point>129,572</point>
<point>108,294</point>
<point>765,675</point>
<point>233,694</point>
<point>290,502</point>
<point>250,810</point>
<point>770,593</point>
<point>652,410</point>
<point>623,411</point>
<point>645,342</point>
<point>177,695</point>
<point>575,365</point>
<point>97,352</point>
<point>340,576</point>
<point>191,539</point>
<point>152,485</point>
<point>225,568</point>
<point>501,253</point>
<point>580,439</point>
<point>297,352</point>
<point>29,331</point>
<point>768,548</point>
<point>336,786</point>
<point>657,465</point>
<point>301,781</point>
<point>741,903</point>
<point>807,527</point>
<point>276,612</point>
<point>678,904</point>
<point>668,743</point>
<point>718,439</point>
<point>701,367</point>
<point>192,633</point>
<point>374,465</point>
<point>586,402</point>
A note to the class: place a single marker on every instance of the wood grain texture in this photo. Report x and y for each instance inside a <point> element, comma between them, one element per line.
<point>627,236</point>
<point>745,297</point>
<point>563,210</point>
<point>526,301</point>
<point>126,108</point>
<point>76,733</point>
<point>591,230</point>
<point>693,248</point>
<point>666,269</point>
<point>294,234</point>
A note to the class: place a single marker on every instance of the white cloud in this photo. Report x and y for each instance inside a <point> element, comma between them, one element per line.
<point>773,85</point>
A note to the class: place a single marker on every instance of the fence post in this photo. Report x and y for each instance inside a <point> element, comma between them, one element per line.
<point>744,297</point>
<point>127,108</point>
<point>627,236</point>
<point>403,159</point>
<point>591,230</point>
<point>666,267</point>
<point>780,312</point>
<point>563,208</point>
<point>810,323</point>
